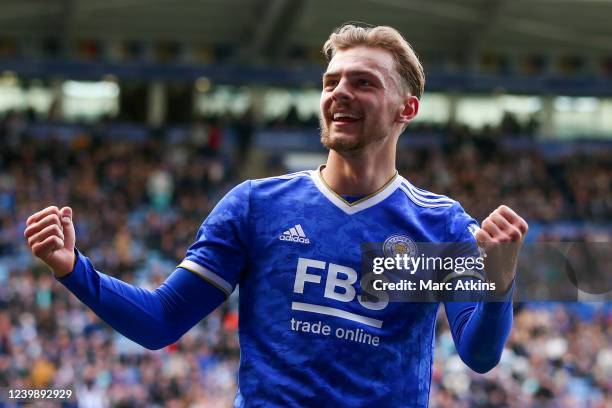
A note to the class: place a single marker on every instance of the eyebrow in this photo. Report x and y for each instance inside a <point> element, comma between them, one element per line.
<point>351,73</point>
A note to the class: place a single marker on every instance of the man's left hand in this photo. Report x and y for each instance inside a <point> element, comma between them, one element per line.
<point>501,237</point>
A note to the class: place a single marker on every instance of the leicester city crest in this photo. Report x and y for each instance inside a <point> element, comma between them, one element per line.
<point>399,245</point>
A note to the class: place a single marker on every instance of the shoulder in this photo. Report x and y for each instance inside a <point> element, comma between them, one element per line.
<point>291,180</point>
<point>426,199</point>
<point>442,210</point>
<point>282,178</point>
<point>265,189</point>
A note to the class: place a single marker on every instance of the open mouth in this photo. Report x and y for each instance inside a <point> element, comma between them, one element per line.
<point>344,117</point>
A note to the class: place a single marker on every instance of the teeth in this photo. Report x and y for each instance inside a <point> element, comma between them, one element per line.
<point>339,115</point>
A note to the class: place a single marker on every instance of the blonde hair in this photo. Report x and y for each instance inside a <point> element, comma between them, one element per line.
<point>407,63</point>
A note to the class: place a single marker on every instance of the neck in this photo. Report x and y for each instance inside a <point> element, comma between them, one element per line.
<point>360,173</point>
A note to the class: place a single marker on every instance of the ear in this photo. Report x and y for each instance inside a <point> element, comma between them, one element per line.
<point>409,109</point>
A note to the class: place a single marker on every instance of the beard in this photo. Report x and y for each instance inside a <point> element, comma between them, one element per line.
<point>347,145</point>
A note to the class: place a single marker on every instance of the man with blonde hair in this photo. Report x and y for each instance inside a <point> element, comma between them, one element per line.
<point>309,334</point>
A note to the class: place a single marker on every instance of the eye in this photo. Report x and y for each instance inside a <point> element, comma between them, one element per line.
<point>364,82</point>
<point>330,83</point>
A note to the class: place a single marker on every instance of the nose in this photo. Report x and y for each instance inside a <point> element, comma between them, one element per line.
<point>342,91</point>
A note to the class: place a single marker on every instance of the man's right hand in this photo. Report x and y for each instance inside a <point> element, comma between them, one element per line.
<point>50,235</point>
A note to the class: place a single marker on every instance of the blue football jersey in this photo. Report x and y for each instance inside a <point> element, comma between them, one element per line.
<point>307,335</point>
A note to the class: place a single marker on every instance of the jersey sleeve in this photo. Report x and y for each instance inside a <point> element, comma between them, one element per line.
<point>461,226</point>
<point>462,244</point>
<point>151,318</point>
<point>220,251</point>
<point>479,329</point>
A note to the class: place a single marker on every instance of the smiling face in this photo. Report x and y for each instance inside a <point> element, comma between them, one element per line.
<point>362,99</point>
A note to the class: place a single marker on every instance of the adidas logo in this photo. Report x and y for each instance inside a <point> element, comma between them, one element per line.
<point>295,234</point>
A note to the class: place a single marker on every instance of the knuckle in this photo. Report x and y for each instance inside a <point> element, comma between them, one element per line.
<point>501,220</point>
<point>41,235</point>
<point>514,232</point>
<point>504,239</point>
<point>490,231</point>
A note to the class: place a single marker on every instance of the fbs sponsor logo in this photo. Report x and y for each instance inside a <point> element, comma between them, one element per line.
<point>295,234</point>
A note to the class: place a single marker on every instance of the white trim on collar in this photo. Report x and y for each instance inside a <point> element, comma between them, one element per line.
<point>359,205</point>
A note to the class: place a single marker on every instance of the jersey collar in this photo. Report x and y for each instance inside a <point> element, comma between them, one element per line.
<point>361,204</point>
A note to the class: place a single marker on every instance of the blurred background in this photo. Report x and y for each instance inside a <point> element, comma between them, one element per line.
<point>142,114</point>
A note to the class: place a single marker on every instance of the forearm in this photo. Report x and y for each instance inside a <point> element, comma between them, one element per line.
<point>480,330</point>
<point>153,319</point>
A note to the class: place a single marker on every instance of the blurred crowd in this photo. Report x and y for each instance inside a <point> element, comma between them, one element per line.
<point>558,355</point>
<point>49,340</point>
<point>479,171</point>
<point>139,202</point>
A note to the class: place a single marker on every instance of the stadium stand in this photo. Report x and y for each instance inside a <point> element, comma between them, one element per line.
<point>170,133</point>
<point>139,202</point>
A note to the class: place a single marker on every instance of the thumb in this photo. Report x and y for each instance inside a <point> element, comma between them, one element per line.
<point>68,228</point>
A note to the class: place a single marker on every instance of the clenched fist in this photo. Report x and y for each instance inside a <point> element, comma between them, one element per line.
<point>501,237</point>
<point>50,235</point>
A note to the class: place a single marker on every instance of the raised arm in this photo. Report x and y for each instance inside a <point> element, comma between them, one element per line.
<point>153,319</point>
<point>208,274</point>
<point>480,329</point>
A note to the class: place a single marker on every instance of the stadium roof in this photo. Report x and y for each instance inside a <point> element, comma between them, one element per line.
<point>266,28</point>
